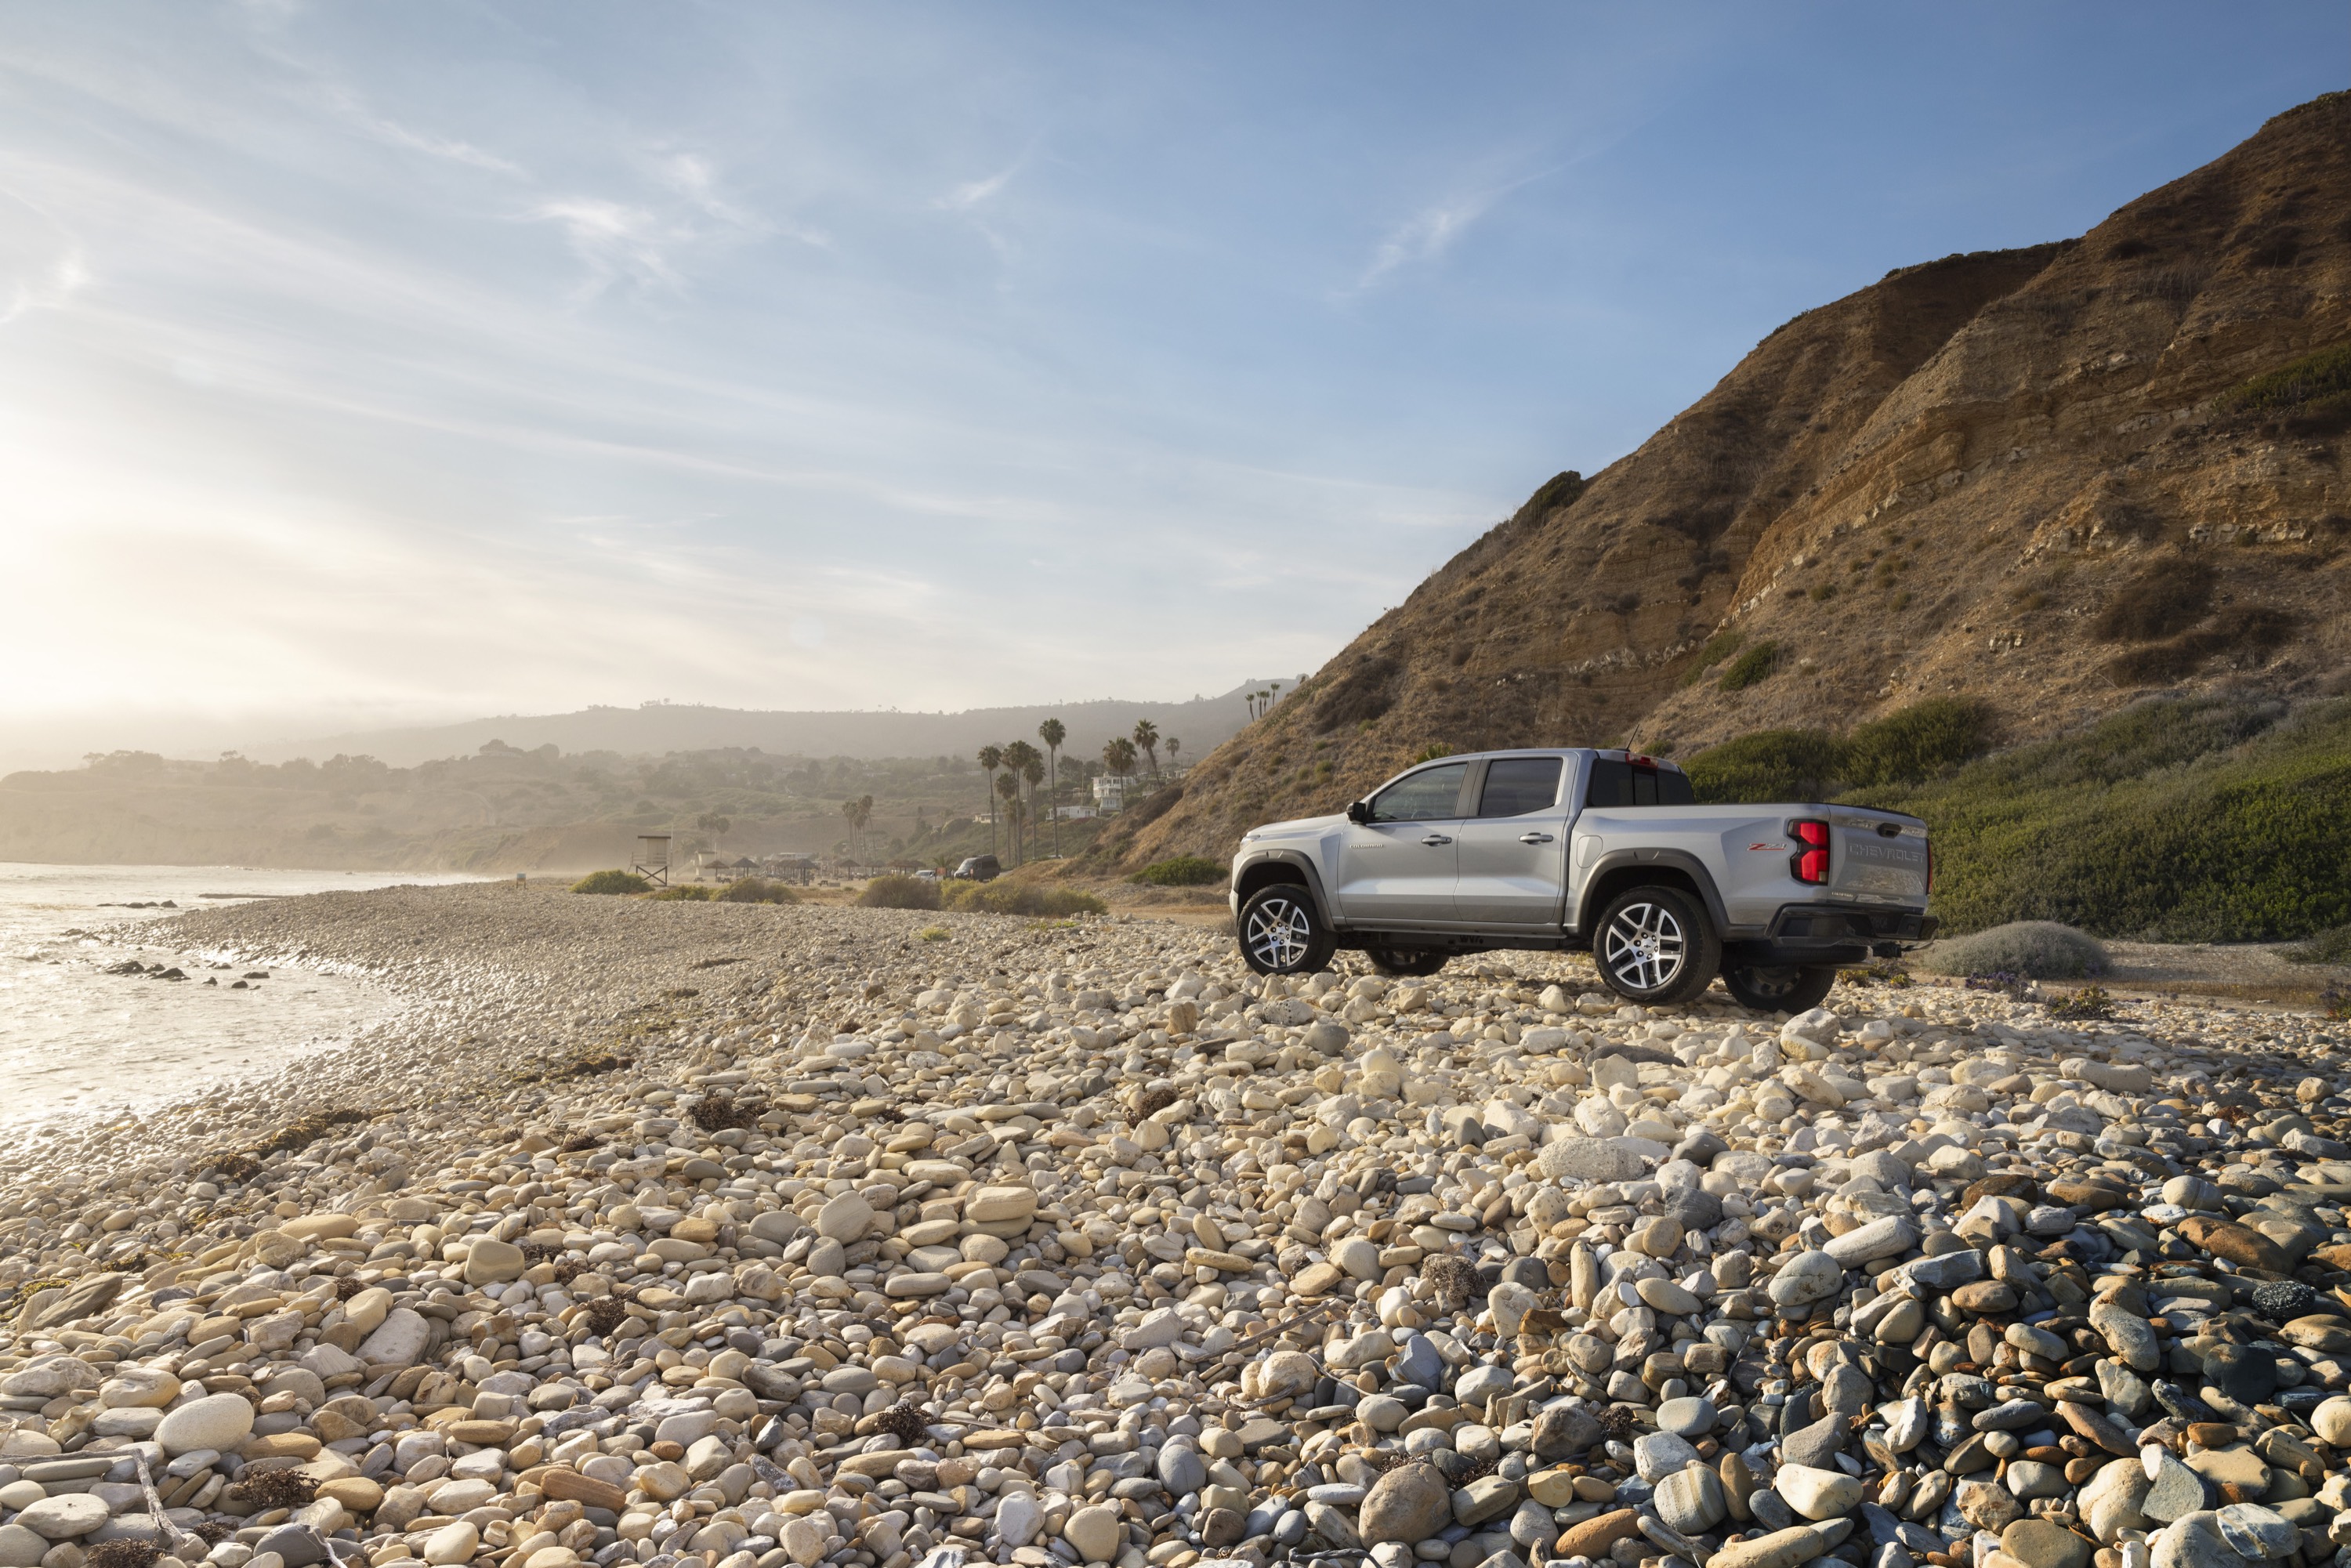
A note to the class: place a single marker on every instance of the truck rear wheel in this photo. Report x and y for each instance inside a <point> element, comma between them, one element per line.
<point>1282,933</point>
<point>1778,990</point>
<point>1404,961</point>
<point>1656,947</point>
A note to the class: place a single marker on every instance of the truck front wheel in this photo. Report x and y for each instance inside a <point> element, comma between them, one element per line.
<point>1282,933</point>
<point>1656,947</point>
<point>1778,990</point>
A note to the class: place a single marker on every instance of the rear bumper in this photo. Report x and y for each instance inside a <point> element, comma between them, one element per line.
<point>1802,935</point>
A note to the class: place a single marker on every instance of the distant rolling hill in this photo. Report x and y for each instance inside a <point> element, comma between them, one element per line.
<point>1202,724</point>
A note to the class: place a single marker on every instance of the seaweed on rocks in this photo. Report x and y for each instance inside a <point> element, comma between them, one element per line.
<point>265,1490</point>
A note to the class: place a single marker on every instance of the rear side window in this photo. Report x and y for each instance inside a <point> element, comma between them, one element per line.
<point>1434,794</point>
<point>1517,785</point>
<point>1618,784</point>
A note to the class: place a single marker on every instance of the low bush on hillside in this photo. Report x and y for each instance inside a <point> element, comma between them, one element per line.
<point>758,890</point>
<point>2036,949</point>
<point>2332,945</point>
<point>1001,897</point>
<point>1905,748</point>
<point>1917,743</point>
<point>2203,820</point>
<point>1717,648</point>
<point>2316,388</point>
<point>1752,668</point>
<point>2168,597</point>
<point>1183,871</point>
<point>610,882</point>
<point>900,893</point>
<point>684,892</point>
<point>1770,765</point>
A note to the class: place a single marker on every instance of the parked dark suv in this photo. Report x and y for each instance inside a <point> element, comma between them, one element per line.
<point>979,868</point>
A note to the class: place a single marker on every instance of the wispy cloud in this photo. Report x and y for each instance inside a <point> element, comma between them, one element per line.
<point>40,261</point>
<point>1427,235</point>
<point>393,134</point>
<point>972,194</point>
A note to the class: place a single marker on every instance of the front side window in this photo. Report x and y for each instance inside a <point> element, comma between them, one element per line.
<point>1517,785</point>
<point>1618,784</point>
<point>1431,795</point>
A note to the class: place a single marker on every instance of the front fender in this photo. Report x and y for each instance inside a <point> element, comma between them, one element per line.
<point>1243,884</point>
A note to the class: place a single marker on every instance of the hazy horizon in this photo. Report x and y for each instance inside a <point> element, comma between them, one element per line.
<point>364,368</point>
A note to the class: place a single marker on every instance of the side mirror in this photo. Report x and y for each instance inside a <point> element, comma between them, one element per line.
<point>1359,811</point>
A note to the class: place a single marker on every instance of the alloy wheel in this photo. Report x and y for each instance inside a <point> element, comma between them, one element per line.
<point>1644,947</point>
<point>1279,932</point>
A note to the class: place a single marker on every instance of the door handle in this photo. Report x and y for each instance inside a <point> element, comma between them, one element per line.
<point>1534,838</point>
<point>1435,839</point>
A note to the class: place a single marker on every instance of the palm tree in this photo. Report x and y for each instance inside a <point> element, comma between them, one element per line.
<point>1018,754</point>
<point>1147,736</point>
<point>859,812</point>
<point>1009,787</point>
<point>991,757</point>
<point>1032,769</point>
<point>1118,756</point>
<point>1052,732</point>
<point>1173,745</point>
<point>714,824</point>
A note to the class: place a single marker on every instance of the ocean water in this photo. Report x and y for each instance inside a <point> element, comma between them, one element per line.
<point>76,1041</point>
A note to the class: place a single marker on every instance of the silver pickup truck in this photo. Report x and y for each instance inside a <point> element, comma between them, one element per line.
<point>1604,851</point>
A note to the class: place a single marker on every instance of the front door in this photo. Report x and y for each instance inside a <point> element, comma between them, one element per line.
<point>1513,850</point>
<point>1401,866</point>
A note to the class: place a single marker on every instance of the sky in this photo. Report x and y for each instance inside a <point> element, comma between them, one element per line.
<point>369,365</point>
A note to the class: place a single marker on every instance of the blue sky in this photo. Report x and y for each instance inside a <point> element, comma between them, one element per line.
<point>367,363</point>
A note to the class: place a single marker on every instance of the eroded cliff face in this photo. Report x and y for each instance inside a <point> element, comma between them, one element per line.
<point>2010,473</point>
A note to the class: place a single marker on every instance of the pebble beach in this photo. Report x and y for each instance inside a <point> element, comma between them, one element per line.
<point>705,1235</point>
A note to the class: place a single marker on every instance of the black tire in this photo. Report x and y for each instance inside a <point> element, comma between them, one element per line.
<point>1405,962</point>
<point>1776,989</point>
<point>1654,945</point>
<point>1282,933</point>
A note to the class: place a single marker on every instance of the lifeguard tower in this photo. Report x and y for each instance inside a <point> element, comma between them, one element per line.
<point>652,858</point>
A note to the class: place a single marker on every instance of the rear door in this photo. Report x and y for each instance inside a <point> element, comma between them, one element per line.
<point>1513,849</point>
<point>1401,866</point>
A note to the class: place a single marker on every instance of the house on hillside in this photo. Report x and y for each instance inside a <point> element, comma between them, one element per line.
<point>1110,794</point>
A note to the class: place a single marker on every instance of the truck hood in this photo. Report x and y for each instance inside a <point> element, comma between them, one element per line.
<point>1303,828</point>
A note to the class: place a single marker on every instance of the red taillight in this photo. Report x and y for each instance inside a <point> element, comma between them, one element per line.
<point>1810,863</point>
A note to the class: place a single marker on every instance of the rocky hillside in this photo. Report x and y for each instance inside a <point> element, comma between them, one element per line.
<point>2053,478</point>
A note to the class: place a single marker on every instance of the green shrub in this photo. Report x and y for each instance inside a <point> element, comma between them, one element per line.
<point>1002,897</point>
<point>900,893</point>
<point>1908,747</point>
<point>2203,820</point>
<point>934,933</point>
<point>2037,950</point>
<point>2322,376</point>
<point>1430,753</point>
<point>1750,668</point>
<point>610,882</point>
<point>758,890</point>
<point>1770,765</point>
<point>1183,871</point>
<point>2332,945</point>
<point>685,892</point>
<point>1917,743</point>
<point>1717,648</point>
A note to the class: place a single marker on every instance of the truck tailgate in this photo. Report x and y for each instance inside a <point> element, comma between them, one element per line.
<point>1876,855</point>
